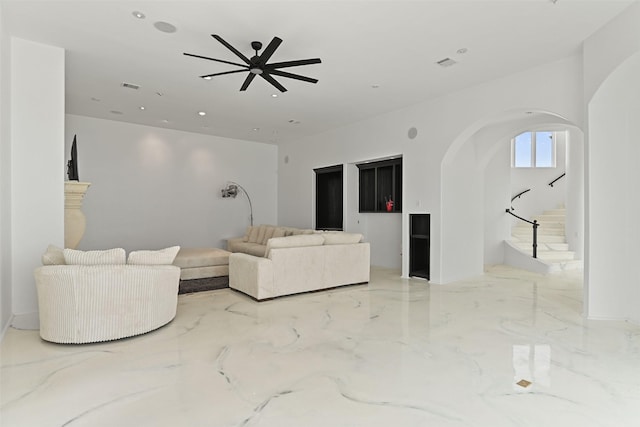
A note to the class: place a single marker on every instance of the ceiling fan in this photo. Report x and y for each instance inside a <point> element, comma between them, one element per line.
<point>258,66</point>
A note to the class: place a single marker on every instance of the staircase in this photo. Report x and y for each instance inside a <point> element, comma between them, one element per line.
<point>552,244</point>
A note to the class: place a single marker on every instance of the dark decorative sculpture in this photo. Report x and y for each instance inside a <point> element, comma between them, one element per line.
<point>72,165</point>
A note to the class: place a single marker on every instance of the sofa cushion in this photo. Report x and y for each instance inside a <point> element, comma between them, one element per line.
<point>261,231</point>
<point>300,231</point>
<point>106,257</point>
<point>279,232</point>
<point>269,230</point>
<point>247,233</point>
<point>159,257</point>
<point>53,256</point>
<point>201,257</point>
<point>254,249</point>
<point>253,234</point>
<point>341,238</point>
<point>293,242</point>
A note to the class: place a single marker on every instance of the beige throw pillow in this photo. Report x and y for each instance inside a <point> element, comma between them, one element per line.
<point>247,233</point>
<point>106,257</point>
<point>279,232</point>
<point>261,231</point>
<point>268,234</point>
<point>53,256</point>
<point>159,257</point>
<point>253,235</point>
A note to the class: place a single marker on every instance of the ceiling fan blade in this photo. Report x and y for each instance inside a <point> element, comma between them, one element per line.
<point>273,81</point>
<point>292,76</point>
<point>214,59</point>
<point>268,51</point>
<point>294,63</point>
<point>224,72</point>
<point>247,81</point>
<point>231,48</point>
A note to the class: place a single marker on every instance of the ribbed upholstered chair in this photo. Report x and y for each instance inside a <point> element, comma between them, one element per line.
<point>102,302</point>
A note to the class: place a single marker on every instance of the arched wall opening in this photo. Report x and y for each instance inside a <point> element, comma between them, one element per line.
<point>476,189</point>
<point>613,280</point>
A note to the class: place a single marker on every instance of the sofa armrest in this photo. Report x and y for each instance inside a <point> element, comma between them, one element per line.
<point>251,275</point>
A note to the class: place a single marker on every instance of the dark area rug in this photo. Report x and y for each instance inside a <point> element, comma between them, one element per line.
<point>205,284</point>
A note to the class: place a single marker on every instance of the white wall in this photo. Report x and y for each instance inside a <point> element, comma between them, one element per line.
<point>574,190</point>
<point>444,124</point>
<point>612,91</point>
<point>153,187</point>
<point>5,178</point>
<point>614,198</point>
<point>37,163</point>
<point>497,194</point>
<point>462,232</point>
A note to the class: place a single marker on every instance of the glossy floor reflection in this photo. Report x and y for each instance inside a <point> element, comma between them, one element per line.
<point>394,353</point>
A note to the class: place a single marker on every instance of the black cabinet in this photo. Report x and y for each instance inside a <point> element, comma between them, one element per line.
<point>419,236</point>
<point>329,198</point>
<point>381,183</point>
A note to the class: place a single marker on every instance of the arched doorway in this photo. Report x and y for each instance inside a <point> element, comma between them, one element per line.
<point>475,193</point>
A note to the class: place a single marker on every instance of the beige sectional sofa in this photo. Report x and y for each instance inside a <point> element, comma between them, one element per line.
<point>295,261</point>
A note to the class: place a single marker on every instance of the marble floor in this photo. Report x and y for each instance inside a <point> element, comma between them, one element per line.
<point>509,348</point>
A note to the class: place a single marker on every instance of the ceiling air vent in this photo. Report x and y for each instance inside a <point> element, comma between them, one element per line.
<point>446,62</point>
<point>130,86</point>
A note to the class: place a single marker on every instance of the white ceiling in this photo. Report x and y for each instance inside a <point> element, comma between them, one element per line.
<point>393,44</point>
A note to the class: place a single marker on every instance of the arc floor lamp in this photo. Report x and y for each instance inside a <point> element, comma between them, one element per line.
<point>232,189</point>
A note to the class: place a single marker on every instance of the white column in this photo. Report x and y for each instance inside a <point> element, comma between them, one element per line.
<point>37,165</point>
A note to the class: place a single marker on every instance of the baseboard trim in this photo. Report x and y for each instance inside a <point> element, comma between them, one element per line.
<point>27,321</point>
<point>6,328</point>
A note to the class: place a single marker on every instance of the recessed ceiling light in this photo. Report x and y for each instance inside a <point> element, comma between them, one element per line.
<point>207,77</point>
<point>274,95</point>
<point>165,27</point>
<point>142,107</point>
<point>159,93</point>
<point>138,14</point>
<point>165,121</point>
<point>202,113</point>
<point>95,99</point>
<point>256,129</point>
<point>375,86</point>
<point>462,51</point>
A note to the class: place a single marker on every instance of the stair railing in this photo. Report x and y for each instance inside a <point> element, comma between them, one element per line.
<point>517,196</point>
<point>535,225</point>
<point>554,181</point>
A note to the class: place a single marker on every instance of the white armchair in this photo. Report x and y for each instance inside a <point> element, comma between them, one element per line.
<point>92,303</point>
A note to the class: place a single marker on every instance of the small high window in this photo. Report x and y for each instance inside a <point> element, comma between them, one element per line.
<point>534,150</point>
